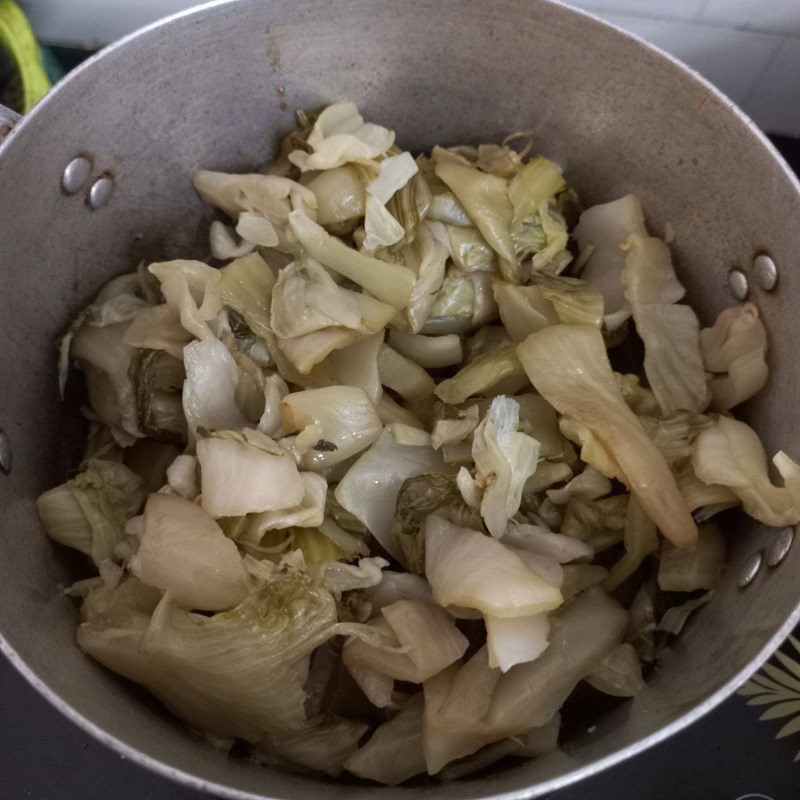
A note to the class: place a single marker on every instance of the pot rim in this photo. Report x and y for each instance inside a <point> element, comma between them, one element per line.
<point>570,777</point>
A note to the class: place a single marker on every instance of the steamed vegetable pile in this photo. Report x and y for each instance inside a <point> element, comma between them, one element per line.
<point>368,490</point>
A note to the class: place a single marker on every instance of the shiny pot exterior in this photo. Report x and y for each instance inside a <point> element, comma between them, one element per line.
<point>213,88</point>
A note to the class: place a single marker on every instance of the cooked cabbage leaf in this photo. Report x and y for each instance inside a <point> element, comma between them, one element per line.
<point>504,460</point>
<point>670,332</point>
<point>568,365</point>
<point>370,488</point>
<point>734,348</point>
<point>470,570</point>
<point>730,454</point>
<point>89,512</point>
<point>340,136</point>
<point>185,553</point>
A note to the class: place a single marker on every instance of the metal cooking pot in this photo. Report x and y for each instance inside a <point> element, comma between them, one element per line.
<point>213,88</point>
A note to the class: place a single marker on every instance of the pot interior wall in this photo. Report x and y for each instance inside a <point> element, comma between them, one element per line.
<point>210,89</point>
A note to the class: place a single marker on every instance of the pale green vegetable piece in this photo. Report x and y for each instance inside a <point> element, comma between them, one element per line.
<point>470,570</point>
<point>641,540</point>
<point>528,695</point>
<point>536,227</point>
<point>184,552</point>
<point>209,392</point>
<point>393,753</point>
<point>390,411</point>
<point>158,328</point>
<point>322,748</point>
<point>340,195</point>
<point>105,359</point>
<point>536,742</point>
<point>182,476</point>
<point>579,577</point>
<point>619,674</point>
<point>271,196</point>
<point>456,703</point>
<point>426,257</point>
<point>523,309</point>
<point>454,300</point>
<point>391,283</point>
<point>735,350</point>
<point>469,250</point>
<point>357,365</point>
<point>313,316</point>
<point>575,302</point>
<point>244,473</point>
<point>599,523</point>
<point>424,641</point>
<point>88,513</point>
<point>402,375</point>
<point>430,352</point>
<point>223,244</point>
<point>701,495</point>
<point>485,199</point>
<point>730,454</point>
<point>396,586</point>
<point>538,419</point>
<point>246,287</point>
<point>395,172</point>
<point>447,210</point>
<point>689,570</point>
<point>381,229</point>
<point>306,299</point>
<point>118,301</point>
<point>548,569</point>
<point>538,539</point>
<point>670,332</point>
<point>504,460</point>
<point>237,673</point>
<point>453,431</point>
<point>340,136</point>
<point>481,375</point>
<point>674,434</point>
<point>344,419</point>
<point>516,640</point>
<point>308,513</point>
<point>257,230</point>
<point>569,367</point>
<point>370,487</point>
<point>536,182</point>
<point>589,484</point>
<point>604,228</point>
<point>192,289</point>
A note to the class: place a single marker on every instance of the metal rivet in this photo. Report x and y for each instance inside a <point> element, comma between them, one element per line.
<point>779,547</point>
<point>101,191</point>
<point>5,453</point>
<point>76,173</point>
<point>765,271</point>
<point>749,570</point>
<point>737,283</point>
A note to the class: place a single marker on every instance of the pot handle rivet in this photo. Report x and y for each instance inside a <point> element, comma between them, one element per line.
<point>750,570</point>
<point>737,283</point>
<point>779,547</point>
<point>765,271</point>
<point>76,174</point>
<point>5,453</point>
<point>100,192</point>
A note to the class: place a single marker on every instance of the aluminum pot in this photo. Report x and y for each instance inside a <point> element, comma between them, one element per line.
<point>213,87</point>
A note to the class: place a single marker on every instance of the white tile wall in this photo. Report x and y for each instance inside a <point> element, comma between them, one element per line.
<point>774,102</point>
<point>781,16</point>
<point>749,48</point>
<point>733,60</point>
<point>661,9</point>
